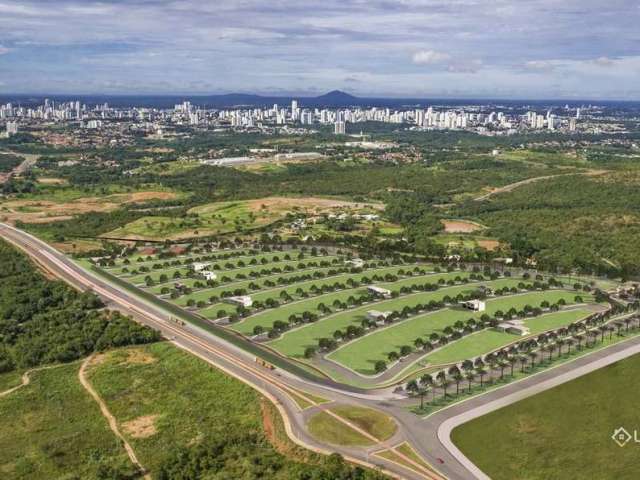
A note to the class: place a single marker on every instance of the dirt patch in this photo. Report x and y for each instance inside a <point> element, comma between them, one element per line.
<point>489,244</point>
<point>98,359</point>
<point>274,431</point>
<point>141,427</point>
<point>461,226</point>
<point>308,203</point>
<point>44,211</point>
<point>137,356</point>
<point>52,181</point>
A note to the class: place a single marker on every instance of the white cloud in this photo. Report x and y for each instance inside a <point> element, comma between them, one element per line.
<point>3,50</point>
<point>604,61</point>
<point>540,65</point>
<point>430,57</point>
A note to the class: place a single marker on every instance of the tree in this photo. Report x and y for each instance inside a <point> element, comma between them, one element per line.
<point>380,366</point>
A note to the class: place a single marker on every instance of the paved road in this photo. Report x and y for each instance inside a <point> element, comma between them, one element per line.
<point>429,436</point>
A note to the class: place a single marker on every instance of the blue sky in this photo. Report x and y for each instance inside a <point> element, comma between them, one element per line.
<point>420,48</point>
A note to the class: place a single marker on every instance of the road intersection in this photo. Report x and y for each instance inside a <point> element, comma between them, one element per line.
<point>429,437</point>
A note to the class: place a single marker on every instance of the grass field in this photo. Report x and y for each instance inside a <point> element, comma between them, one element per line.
<point>564,432</point>
<point>361,354</point>
<point>340,319</point>
<point>293,343</point>
<point>153,387</point>
<point>226,217</point>
<point>489,340</point>
<point>327,428</point>
<point>53,429</point>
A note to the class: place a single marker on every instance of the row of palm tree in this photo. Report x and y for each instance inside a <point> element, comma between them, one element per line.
<point>584,334</point>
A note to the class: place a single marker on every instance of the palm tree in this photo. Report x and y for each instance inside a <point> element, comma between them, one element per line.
<point>578,338</point>
<point>523,362</point>
<point>443,382</point>
<point>532,357</point>
<point>422,392</point>
<point>481,373</point>
<point>569,342</point>
<point>470,377</point>
<point>512,362</point>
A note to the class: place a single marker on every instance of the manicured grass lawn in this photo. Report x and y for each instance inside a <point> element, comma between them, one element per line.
<point>326,428</point>
<point>294,342</point>
<point>267,318</point>
<point>134,263</point>
<point>371,421</point>
<point>362,354</point>
<point>562,433</point>
<point>53,429</point>
<point>489,340</point>
<point>155,274</point>
<point>274,292</point>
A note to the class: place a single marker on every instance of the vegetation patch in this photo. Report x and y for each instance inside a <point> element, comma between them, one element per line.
<point>545,436</point>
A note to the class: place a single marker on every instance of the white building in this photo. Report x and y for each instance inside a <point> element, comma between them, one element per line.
<point>243,301</point>
<point>12,128</point>
<point>516,327</point>
<point>378,317</point>
<point>340,128</point>
<point>379,291</point>
<point>475,305</point>
<point>356,262</point>
<point>198,266</point>
<point>208,275</point>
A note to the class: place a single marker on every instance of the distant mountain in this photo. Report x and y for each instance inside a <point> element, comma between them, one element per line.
<point>336,98</point>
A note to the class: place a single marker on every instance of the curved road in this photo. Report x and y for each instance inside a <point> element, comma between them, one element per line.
<point>428,436</point>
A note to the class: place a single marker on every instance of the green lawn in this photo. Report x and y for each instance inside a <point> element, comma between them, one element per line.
<point>155,274</point>
<point>53,429</point>
<point>489,340</point>
<point>274,292</point>
<point>328,429</point>
<point>340,319</point>
<point>362,354</point>
<point>562,433</point>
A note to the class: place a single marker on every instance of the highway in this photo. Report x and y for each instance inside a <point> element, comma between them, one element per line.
<point>428,436</point>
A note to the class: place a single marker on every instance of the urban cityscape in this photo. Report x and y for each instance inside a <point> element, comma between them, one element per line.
<point>335,240</point>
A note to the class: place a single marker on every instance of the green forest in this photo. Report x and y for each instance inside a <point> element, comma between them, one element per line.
<point>44,321</point>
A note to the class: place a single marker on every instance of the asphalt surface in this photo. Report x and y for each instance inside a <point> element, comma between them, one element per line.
<point>429,436</point>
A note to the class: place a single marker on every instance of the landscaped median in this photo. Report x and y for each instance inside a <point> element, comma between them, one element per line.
<point>349,425</point>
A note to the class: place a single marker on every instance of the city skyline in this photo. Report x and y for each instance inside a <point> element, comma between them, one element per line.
<point>413,49</point>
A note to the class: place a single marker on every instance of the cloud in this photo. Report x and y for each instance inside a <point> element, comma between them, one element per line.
<point>388,46</point>
<point>540,65</point>
<point>469,66</point>
<point>603,61</point>
<point>430,57</point>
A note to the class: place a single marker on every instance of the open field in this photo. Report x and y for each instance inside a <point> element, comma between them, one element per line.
<point>361,354</point>
<point>237,216</point>
<point>52,429</point>
<point>63,205</point>
<point>546,436</point>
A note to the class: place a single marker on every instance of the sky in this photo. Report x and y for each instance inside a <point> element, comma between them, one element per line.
<point>530,49</point>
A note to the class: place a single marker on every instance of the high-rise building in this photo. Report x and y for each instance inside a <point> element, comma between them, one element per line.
<point>340,128</point>
<point>12,128</point>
